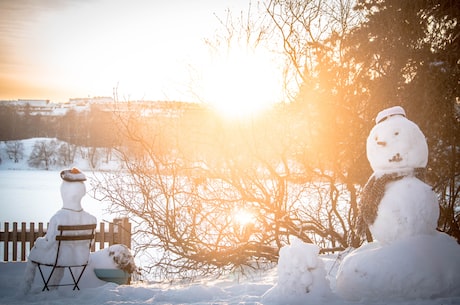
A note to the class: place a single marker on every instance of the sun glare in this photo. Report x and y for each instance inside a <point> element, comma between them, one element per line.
<point>243,217</point>
<point>241,83</point>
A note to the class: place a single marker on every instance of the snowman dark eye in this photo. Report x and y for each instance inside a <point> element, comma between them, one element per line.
<point>396,133</point>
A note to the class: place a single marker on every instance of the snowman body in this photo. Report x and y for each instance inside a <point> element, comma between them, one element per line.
<point>409,206</point>
<point>45,248</point>
<point>409,258</point>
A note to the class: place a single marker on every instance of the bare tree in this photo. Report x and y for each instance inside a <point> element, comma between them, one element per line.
<point>306,31</point>
<point>43,154</point>
<point>66,153</point>
<point>94,156</point>
<point>15,150</point>
<point>210,195</point>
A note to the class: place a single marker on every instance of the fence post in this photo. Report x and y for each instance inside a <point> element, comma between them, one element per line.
<point>102,235</point>
<point>5,242</point>
<point>23,241</point>
<point>15,241</point>
<point>31,235</point>
<point>123,228</point>
<point>20,236</point>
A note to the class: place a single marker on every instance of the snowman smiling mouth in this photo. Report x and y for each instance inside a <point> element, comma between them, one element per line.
<point>396,158</point>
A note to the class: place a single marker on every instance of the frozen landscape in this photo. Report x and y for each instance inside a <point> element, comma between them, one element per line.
<point>411,263</point>
<point>232,290</point>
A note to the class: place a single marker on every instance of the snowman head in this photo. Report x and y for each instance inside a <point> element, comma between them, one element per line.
<point>72,188</point>
<point>395,142</point>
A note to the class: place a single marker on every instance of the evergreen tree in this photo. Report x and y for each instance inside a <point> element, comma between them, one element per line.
<point>408,52</point>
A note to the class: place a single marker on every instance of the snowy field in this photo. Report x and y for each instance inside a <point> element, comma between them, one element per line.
<point>301,277</point>
<point>34,196</point>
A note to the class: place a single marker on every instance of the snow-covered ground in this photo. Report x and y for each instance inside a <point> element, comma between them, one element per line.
<point>226,291</point>
<point>232,290</point>
<point>258,288</point>
<point>301,277</point>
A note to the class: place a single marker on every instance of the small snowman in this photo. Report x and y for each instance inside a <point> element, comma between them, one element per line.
<point>44,251</point>
<point>396,203</point>
<point>301,276</point>
<point>409,258</point>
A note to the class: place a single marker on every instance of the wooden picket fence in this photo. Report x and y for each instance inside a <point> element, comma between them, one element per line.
<point>18,242</point>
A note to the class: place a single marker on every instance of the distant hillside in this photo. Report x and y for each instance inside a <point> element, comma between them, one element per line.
<point>83,122</point>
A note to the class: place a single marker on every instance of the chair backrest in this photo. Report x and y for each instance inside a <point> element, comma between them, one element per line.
<point>74,244</point>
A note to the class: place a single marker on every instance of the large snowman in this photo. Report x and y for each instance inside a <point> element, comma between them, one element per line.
<point>409,257</point>
<point>44,251</point>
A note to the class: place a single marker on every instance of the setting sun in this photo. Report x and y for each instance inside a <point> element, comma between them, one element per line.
<point>241,83</point>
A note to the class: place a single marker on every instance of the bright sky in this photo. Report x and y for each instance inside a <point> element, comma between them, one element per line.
<point>151,50</point>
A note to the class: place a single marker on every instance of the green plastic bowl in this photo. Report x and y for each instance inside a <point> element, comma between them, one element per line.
<point>113,275</point>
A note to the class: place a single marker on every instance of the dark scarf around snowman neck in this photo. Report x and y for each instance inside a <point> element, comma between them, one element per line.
<point>373,193</point>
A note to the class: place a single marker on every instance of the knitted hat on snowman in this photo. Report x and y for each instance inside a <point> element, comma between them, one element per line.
<point>73,175</point>
<point>389,112</point>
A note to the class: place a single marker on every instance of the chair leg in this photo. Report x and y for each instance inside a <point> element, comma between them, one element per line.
<point>59,273</point>
<point>48,280</point>
<point>75,284</point>
<point>76,281</point>
<point>43,278</point>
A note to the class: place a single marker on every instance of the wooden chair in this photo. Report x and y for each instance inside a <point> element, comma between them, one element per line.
<point>84,240</point>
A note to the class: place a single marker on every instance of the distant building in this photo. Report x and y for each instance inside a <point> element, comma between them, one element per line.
<point>144,108</point>
<point>33,107</point>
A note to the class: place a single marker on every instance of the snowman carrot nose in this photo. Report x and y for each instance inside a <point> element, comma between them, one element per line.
<point>381,143</point>
<point>75,170</point>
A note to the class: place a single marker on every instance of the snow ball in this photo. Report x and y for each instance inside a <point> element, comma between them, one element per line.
<point>301,274</point>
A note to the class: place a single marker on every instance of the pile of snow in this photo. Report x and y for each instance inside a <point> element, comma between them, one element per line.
<point>420,267</point>
<point>301,276</point>
<point>114,257</point>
